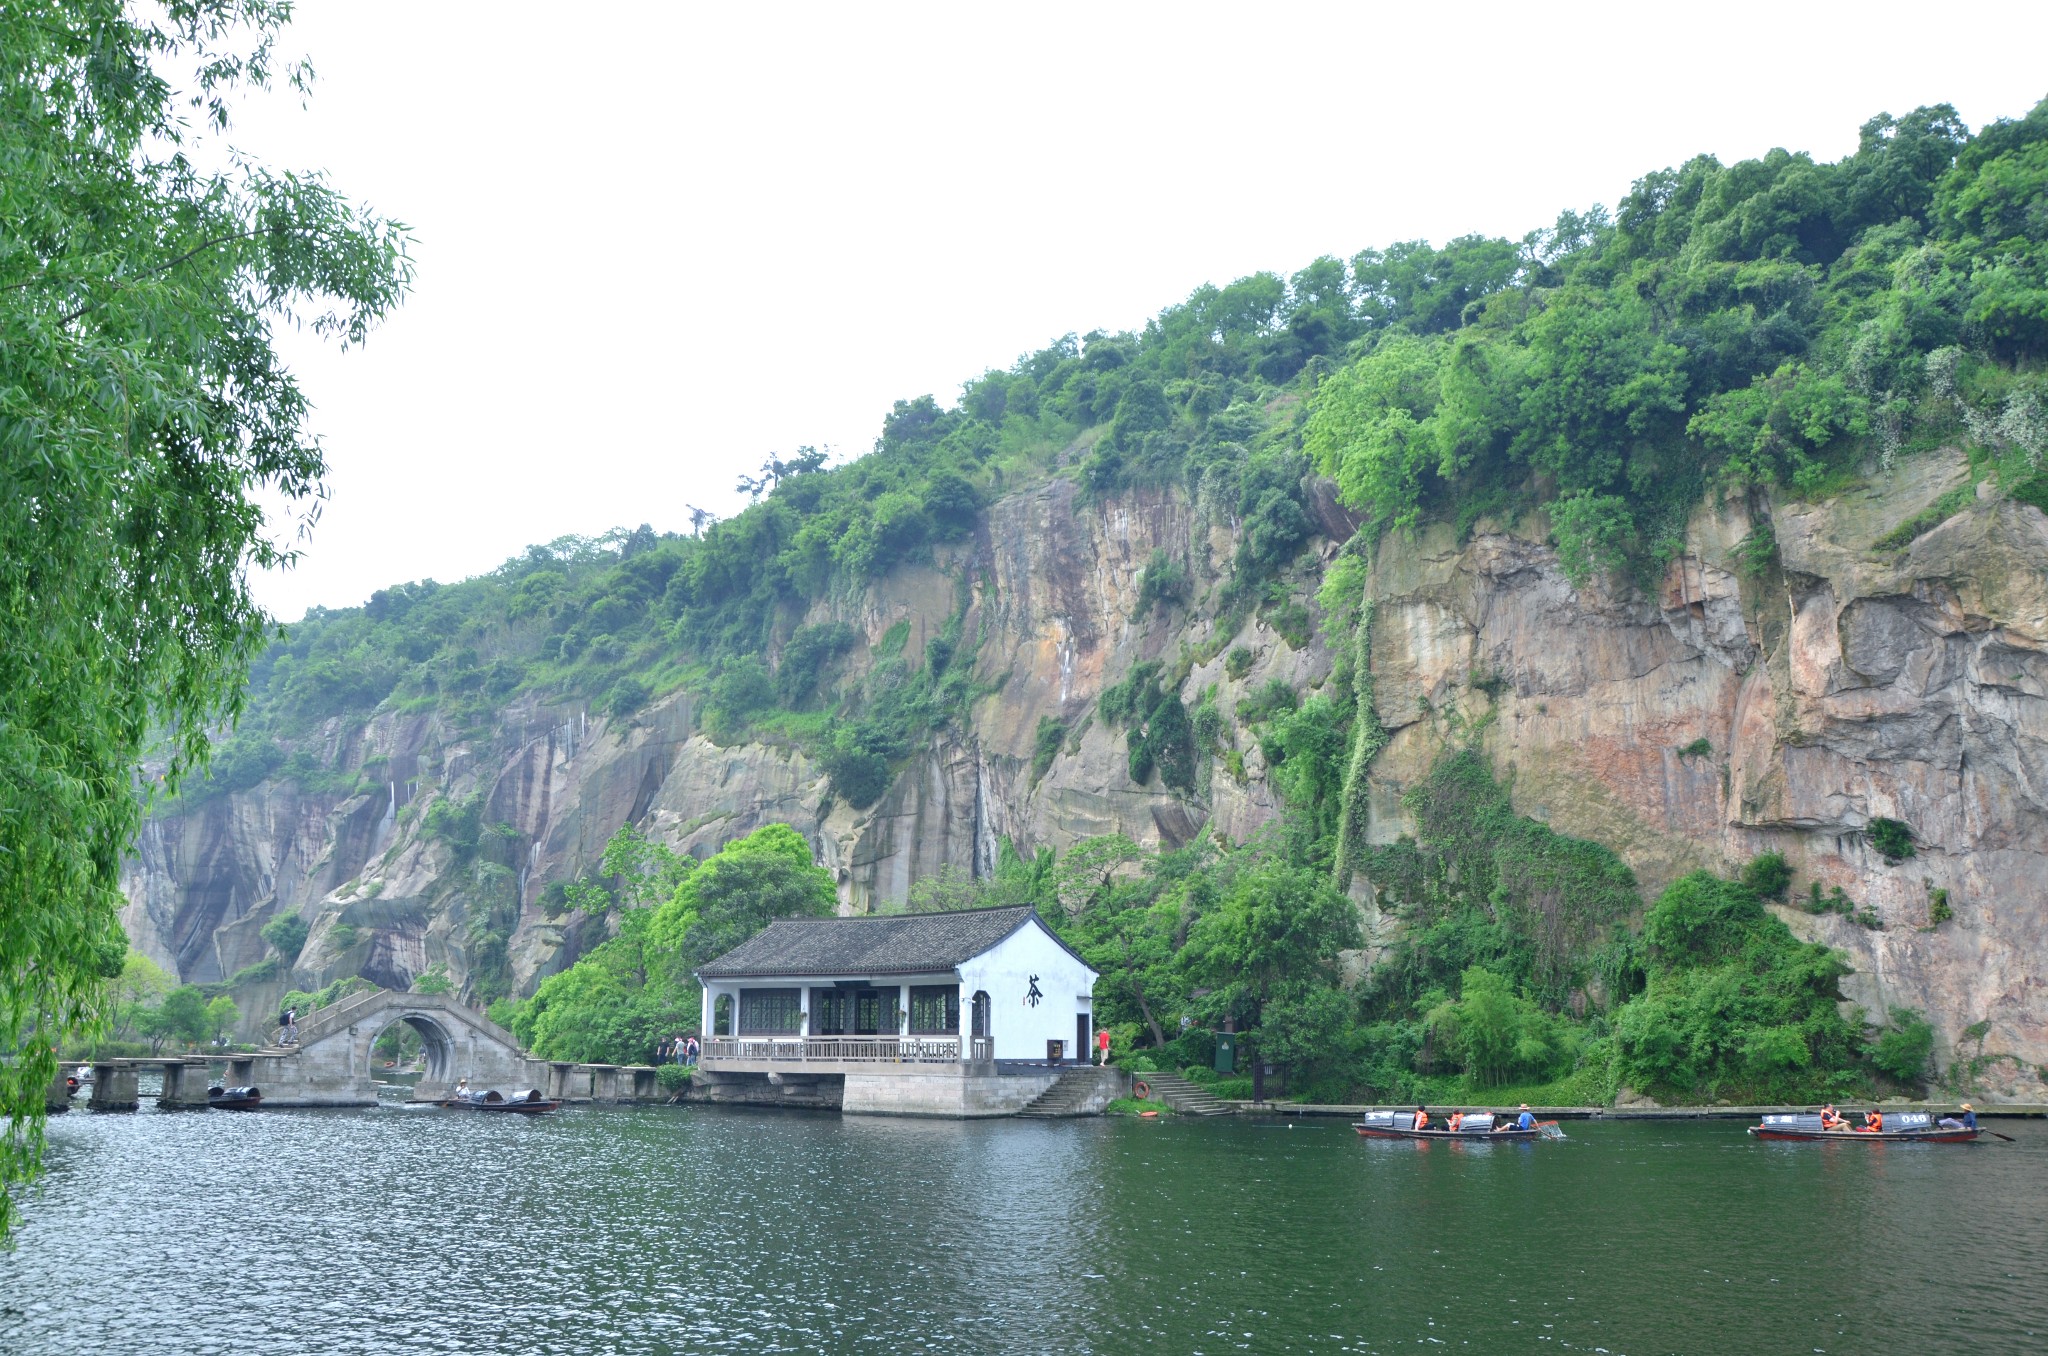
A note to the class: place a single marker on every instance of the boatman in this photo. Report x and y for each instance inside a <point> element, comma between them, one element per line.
<point>1527,1120</point>
<point>1967,1121</point>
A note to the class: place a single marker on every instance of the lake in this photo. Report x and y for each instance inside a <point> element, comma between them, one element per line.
<point>662,1229</point>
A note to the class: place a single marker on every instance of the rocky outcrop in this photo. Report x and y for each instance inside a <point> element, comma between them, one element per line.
<point>1726,716</point>
<point>1716,716</point>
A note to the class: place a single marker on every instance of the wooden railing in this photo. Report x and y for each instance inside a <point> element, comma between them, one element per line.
<point>842,1049</point>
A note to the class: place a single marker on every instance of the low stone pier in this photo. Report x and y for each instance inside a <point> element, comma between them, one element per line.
<point>114,1086</point>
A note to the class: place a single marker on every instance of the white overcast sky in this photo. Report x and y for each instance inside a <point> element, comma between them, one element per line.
<point>658,242</point>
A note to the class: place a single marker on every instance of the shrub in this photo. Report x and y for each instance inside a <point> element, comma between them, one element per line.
<point>1699,748</point>
<point>672,1078</point>
<point>1162,583</point>
<point>624,698</point>
<point>1903,1050</point>
<point>1238,662</point>
<point>1045,746</point>
<point>1938,910</point>
<point>343,935</point>
<point>1768,875</point>
<point>287,933</point>
<point>1891,837</point>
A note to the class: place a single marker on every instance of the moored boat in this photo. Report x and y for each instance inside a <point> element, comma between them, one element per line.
<point>234,1099</point>
<point>529,1102</point>
<point>1476,1127</point>
<point>1916,1127</point>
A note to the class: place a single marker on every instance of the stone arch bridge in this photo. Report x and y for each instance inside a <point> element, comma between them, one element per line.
<point>332,1063</point>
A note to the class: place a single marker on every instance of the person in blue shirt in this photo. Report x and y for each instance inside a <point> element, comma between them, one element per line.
<point>1527,1120</point>
<point>1967,1122</point>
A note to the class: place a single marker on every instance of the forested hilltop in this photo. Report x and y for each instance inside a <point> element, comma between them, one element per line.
<point>1697,544</point>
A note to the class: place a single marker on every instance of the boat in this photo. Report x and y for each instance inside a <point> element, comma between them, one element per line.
<point>1914,1127</point>
<point>233,1099</point>
<point>529,1102</point>
<point>1477,1126</point>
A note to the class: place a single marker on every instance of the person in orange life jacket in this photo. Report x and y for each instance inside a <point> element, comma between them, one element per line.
<point>1421,1118</point>
<point>1830,1119</point>
<point>1873,1122</point>
<point>1456,1121</point>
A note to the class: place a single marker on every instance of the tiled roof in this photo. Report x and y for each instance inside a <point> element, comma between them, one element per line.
<point>889,944</point>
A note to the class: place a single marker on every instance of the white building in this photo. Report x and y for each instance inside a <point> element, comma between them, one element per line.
<point>974,1012</point>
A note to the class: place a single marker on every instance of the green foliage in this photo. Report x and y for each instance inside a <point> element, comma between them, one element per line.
<point>343,936</point>
<point>1905,1046</point>
<point>1757,323</point>
<point>1939,910</point>
<point>287,933</point>
<point>1238,662</point>
<point>1734,1005</point>
<point>1162,583</point>
<point>620,1001</point>
<point>1891,837</point>
<point>147,420</point>
<point>434,980</point>
<point>1933,516</point>
<point>1494,888</point>
<point>1493,1032</point>
<point>1767,876</point>
<point>1046,743</point>
<point>1756,553</point>
<point>1157,730</point>
<point>1698,748</point>
<point>672,1078</point>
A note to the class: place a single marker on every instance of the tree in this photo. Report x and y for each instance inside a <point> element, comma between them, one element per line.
<point>221,1016</point>
<point>146,415</point>
<point>740,889</point>
<point>140,987</point>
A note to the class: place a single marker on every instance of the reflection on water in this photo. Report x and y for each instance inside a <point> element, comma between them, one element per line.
<point>672,1230</point>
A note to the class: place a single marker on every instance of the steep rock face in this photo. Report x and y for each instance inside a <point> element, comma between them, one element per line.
<point>1847,684</point>
<point>1045,597</point>
<point>1841,684</point>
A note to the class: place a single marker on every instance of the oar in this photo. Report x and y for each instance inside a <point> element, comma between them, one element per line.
<point>2007,1138</point>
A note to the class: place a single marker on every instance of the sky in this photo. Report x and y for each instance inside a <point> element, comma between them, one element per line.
<point>657,243</point>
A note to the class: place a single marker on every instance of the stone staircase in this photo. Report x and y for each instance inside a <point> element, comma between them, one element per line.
<point>1190,1099</point>
<point>1078,1092</point>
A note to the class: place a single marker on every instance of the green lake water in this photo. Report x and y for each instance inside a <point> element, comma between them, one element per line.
<point>706,1230</point>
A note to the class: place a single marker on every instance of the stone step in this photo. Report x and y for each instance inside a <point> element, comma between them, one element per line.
<point>1066,1097</point>
<point>1190,1099</point>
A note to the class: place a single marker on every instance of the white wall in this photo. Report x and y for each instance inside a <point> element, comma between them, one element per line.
<point>1065,985</point>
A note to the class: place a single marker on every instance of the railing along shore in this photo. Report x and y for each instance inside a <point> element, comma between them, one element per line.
<point>847,1049</point>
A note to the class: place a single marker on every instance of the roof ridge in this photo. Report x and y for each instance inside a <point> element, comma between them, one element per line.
<point>885,917</point>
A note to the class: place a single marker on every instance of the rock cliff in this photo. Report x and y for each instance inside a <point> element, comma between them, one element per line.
<point>1731,713</point>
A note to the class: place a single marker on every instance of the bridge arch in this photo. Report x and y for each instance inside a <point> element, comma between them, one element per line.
<point>437,1042</point>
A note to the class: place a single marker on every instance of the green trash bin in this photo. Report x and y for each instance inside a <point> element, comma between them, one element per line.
<point>1226,1052</point>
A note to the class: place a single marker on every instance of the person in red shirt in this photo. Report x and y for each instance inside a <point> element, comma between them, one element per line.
<point>1102,1043</point>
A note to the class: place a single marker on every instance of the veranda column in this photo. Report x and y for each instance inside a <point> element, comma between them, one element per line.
<point>903,1006</point>
<point>704,1025</point>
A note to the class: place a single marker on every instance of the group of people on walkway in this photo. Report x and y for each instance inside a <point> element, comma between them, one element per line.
<point>681,1049</point>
